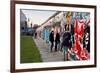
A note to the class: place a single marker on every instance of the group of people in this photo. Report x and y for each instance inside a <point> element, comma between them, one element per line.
<point>64,44</point>
<point>66,41</point>
<point>55,40</point>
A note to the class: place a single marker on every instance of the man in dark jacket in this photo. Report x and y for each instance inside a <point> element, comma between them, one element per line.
<point>66,44</point>
<point>51,39</point>
<point>57,40</point>
<point>66,39</point>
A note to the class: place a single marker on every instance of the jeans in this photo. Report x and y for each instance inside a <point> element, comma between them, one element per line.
<point>51,46</point>
<point>56,45</point>
<point>65,52</point>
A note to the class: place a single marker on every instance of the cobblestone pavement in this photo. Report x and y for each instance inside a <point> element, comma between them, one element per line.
<point>45,53</point>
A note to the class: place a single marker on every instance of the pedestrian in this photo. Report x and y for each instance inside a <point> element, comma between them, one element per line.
<point>51,39</point>
<point>35,34</point>
<point>66,44</point>
<point>57,40</point>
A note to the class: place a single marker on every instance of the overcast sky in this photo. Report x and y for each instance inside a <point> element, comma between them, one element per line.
<point>37,16</point>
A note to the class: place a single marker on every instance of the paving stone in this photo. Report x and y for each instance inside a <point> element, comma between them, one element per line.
<point>46,55</point>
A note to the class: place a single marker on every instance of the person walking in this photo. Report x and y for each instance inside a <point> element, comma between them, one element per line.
<point>35,34</point>
<point>66,44</point>
<point>51,39</point>
<point>57,41</point>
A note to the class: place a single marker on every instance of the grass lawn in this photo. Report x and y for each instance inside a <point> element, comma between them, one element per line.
<point>29,52</point>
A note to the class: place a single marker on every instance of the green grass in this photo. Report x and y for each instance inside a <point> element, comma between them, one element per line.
<point>29,51</point>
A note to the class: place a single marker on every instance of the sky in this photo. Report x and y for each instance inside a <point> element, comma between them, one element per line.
<point>37,16</point>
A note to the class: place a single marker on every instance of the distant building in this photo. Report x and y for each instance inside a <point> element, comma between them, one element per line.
<point>22,19</point>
